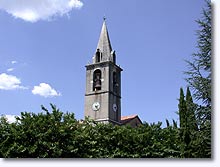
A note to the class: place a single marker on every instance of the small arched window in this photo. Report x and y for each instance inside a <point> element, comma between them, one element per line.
<point>114,59</point>
<point>98,56</point>
<point>97,84</point>
<point>113,56</point>
<point>115,82</point>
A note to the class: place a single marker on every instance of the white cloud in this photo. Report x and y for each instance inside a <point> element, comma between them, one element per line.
<point>45,90</point>
<point>10,82</point>
<point>13,62</point>
<point>34,10</point>
<point>10,69</point>
<point>11,118</point>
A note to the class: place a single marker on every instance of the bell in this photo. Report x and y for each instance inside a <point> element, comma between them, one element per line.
<point>98,85</point>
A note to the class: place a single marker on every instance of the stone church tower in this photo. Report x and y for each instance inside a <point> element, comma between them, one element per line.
<point>103,83</point>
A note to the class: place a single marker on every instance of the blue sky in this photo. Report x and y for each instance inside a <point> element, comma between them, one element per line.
<point>44,51</point>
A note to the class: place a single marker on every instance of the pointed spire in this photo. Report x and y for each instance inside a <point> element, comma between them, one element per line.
<point>104,44</point>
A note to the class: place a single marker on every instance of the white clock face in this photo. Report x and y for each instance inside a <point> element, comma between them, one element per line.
<point>114,107</point>
<point>96,106</point>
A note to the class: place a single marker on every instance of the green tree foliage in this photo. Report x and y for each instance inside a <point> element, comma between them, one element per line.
<point>5,134</point>
<point>38,135</point>
<point>195,140</point>
<point>55,134</point>
<point>182,109</point>
<point>188,124</point>
<point>191,109</point>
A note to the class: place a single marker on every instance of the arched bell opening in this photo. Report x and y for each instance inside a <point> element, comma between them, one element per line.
<point>115,82</point>
<point>97,84</point>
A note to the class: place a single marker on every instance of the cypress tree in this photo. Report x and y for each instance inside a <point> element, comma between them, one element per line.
<point>191,108</point>
<point>188,125</point>
<point>182,109</point>
<point>183,123</point>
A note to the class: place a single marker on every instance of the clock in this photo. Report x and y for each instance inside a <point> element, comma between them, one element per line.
<point>114,107</point>
<point>96,106</point>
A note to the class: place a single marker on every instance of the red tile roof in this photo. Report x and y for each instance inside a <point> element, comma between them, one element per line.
<point>127,119</point>
<point>123,118</point>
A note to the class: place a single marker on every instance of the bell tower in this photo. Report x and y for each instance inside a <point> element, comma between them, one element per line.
<point>103,83</point>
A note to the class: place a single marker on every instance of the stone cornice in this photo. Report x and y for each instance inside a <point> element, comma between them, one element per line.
<point>102,64</point>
